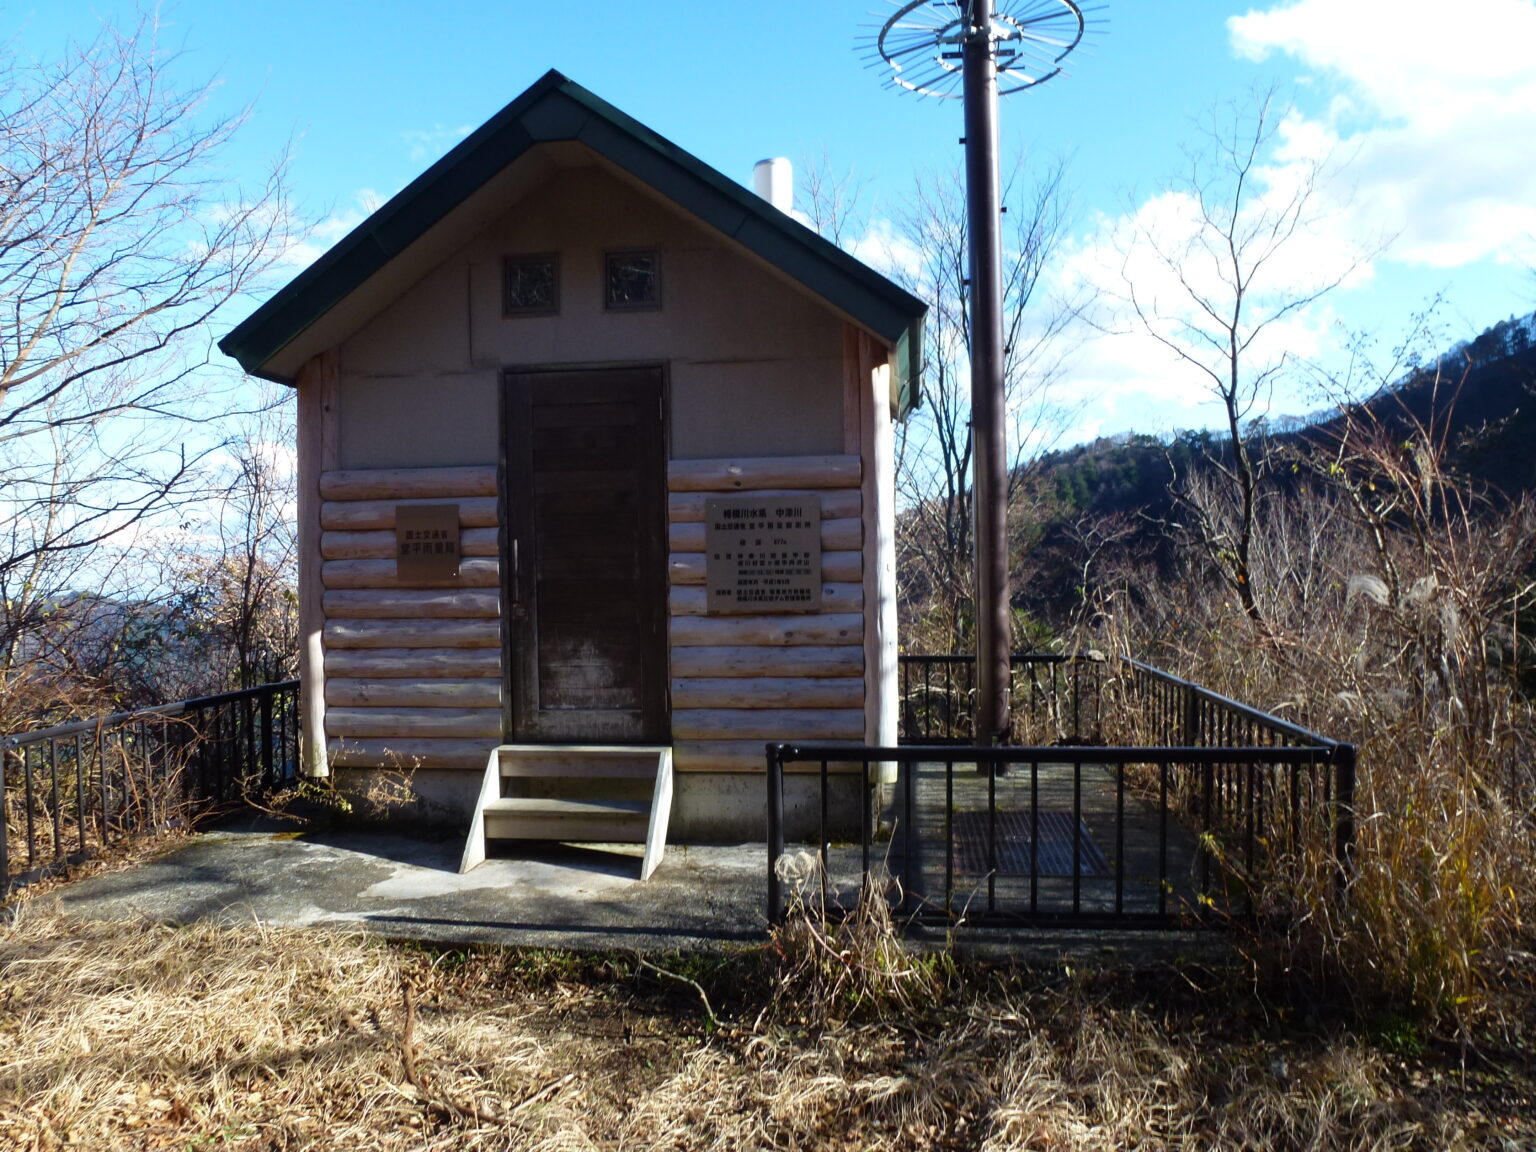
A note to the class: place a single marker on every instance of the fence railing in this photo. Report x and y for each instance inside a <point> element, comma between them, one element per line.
<point>68,790</point>
<point>1176,711</point>
<point>1054,698</point>
<point>1211,810</point>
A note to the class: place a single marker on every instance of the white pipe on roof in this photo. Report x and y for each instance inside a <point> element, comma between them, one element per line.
<point>774,181</point>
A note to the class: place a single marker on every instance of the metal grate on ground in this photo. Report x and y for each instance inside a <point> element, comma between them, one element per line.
<point>1014,837</point>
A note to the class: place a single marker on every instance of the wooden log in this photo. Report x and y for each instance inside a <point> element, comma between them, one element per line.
<point>410,483</point>
<point>687,568</point>
<point>316,445</point>
<point>381,545</point>
<point>763,472</point>
<point>406,754</point>
<point>877,448</point>
<point>481,572</point>
<point>719,756</point>
<point>827,628</point>
<point>842,535</point>
<point>836,503</point>
<point>836,767</point>
<point>452,663</point>
<point>346,691</point>
<point>765,692</point>
<point>694,601</point>
<point>804,724</point>
<point>413,604</point>
<point>423,723</point>
<point>743,756</point>
<point>413,634</point>
<point>751,662</point>
<point>474,512</point>
<point>836,535</point>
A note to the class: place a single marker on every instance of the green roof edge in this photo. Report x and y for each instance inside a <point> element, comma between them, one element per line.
<point>556,108</point>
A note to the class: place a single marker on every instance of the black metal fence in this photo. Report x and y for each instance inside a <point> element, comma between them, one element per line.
<point>1055,698</point>
<point>1208,815</point>
<point>1232,797</point>
<point>68,790</point>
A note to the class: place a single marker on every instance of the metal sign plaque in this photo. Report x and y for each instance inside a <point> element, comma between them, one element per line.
<point>762,554</point>
<point>426,542</point>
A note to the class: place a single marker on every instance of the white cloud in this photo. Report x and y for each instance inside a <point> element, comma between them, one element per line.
<point>1423,63</point>
<point>314,243</point>
<point>1436,106</point>
<point>1146,272</point>
<point>1426,121</point>
<point>427,144</point>
<point>886,250</point>
<point>1131,380</point>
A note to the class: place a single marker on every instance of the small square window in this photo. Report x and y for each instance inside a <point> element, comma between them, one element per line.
<point>632,280</point>
<point>531,285</point>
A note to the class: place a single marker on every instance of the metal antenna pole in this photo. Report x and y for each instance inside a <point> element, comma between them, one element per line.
<point>989,480</point>
<point>920,43</point>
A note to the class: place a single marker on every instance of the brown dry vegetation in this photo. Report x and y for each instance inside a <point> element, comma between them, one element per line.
<point>1392,592</point>
<point>144,1037</point>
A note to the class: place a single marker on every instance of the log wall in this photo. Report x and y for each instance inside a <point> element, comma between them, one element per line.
<point>740,681</point>
<point>413,674</point>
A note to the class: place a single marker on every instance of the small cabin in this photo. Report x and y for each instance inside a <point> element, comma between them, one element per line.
<point>596,479</point>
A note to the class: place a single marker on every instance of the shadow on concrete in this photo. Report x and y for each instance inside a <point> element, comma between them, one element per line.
<point>383,880</point>
<point>533,895</point>
<point>618,934</point>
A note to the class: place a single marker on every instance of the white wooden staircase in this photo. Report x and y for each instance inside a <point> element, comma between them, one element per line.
<point>581,793</point>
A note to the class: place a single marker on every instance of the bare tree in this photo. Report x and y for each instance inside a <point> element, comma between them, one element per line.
<point>215,606</point>
<point>924,248</point>
<point>235,600</point>
<point>1204,280</point>
<point>119,243</point>
<point>259,562</point>
<point>832,201</point>
<point>935,448</point>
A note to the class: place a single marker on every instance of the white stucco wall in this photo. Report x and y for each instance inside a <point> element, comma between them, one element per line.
<point>754,365</point>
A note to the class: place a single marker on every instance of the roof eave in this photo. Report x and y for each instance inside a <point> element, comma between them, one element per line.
<point>556,109</point>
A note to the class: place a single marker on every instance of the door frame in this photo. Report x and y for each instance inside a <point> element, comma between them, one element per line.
<point>660,703</point>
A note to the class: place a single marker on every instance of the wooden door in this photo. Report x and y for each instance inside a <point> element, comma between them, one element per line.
<point>586,556</point>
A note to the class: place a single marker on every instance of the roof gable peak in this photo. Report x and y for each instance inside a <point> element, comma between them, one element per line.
<point>555,109</point>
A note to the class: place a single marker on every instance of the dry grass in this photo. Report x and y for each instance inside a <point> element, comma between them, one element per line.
<point>1394,595</point>
<point>146,800</point>
<point>832,965</point>
<point>143,1037</point>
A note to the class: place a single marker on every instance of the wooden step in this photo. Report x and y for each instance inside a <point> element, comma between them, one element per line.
<point>592,761</point>
<point>568,776</point>
<point>587,820</point>
<point>556,806</point>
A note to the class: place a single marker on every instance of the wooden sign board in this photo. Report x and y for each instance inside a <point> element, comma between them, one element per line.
<point>426,542</point>
<point>762,554</point>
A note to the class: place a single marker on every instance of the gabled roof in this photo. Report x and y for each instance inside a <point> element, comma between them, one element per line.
<point>556,110</point>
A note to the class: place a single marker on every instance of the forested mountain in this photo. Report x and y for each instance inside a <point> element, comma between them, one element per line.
<point>1112,500</point>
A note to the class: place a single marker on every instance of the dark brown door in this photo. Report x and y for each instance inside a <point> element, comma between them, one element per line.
<point>586,556</point>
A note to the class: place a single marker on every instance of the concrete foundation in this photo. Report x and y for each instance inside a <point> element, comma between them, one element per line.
<point>723,808</point>
<point>707,807</point>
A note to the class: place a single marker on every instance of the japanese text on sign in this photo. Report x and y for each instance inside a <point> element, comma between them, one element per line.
<point>762,554</point>
<point>427,541</point>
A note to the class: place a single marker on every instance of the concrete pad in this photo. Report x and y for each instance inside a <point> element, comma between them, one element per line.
<point>396,885</point>
<point>405,886</point>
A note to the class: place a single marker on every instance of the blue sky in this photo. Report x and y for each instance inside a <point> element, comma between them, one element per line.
<point>1438,113</point>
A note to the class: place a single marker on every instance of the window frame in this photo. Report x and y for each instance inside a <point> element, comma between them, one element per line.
<point>511,260</point>
<point>610,305</point>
